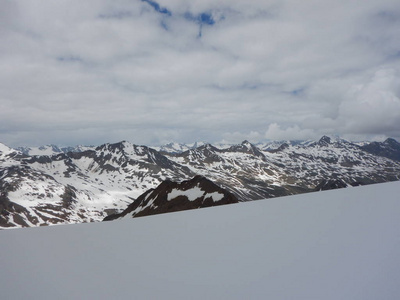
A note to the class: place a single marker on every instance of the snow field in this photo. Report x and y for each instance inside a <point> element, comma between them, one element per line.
<point>339,244</point>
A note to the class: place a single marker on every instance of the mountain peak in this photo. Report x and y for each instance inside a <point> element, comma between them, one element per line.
<point>390,148</point>
<point>246,147</point>
<point>171,196</point>
<point>283,146</point>
<point>391,142</point>
<point>207,146</point>
<point>324,141</point>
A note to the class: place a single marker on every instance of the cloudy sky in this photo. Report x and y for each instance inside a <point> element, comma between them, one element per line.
<point>94,71</point>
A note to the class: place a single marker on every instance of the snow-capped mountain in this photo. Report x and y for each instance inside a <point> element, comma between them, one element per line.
<point>78,186</point>
<point>52,149</point>
<point>251,173</point>
<point>178,147</point>
<point>390,148</point>
<point>88,185</point>
<point>171,196</point>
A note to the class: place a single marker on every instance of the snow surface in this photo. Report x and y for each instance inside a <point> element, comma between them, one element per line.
<point>194,193</point>
<point>5,149</point>
<point>340,244</point>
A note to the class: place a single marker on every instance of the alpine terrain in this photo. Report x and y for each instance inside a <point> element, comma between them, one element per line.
<point>171,196</point>
<point>52,185</point>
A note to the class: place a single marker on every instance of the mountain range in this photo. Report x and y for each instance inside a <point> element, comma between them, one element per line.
<point>51,185</point>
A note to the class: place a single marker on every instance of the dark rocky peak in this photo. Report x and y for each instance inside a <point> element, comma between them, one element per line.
<point>42,159</point>
<point>390,148</point>
<point>124,152</point>
<point>123,148</point>
<point>115,147</point>
<point>246,147</point>
<point>171,196</point>
<point>201,182</point>
<point>324,141</point>
<point>283,147</point>
<point>206,153</point>
<point>246,143</point>
<point>280,148</point>
<point>207,147</point>
<point>392,143</point>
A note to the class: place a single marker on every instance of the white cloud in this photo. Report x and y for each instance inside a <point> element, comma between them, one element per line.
<point>124,69</point>
<point>373,107</point>
<point>276,132</point>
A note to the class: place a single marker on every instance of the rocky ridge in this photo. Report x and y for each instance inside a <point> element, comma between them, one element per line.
<point>170,196</point>
<point>91,183</point>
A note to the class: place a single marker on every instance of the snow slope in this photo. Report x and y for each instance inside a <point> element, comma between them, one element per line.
<point>339,244</point>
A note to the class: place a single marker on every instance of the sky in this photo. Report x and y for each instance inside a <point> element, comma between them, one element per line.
<point>95,71</point>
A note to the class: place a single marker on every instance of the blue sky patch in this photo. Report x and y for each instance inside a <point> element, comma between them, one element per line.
<point>298,92</point>
<point>203,18</point>
<point>206,18</point>
<point>158,8</point>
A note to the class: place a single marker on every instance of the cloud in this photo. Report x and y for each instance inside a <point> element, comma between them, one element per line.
<point>373,107</point>
<point>158,8</point>
<point>275,132</point>
<point>197,70</point>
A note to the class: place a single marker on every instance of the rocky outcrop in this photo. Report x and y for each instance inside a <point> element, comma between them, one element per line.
<point>172,196</point>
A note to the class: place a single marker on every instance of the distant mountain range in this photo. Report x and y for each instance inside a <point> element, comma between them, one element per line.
<point>51,185</point>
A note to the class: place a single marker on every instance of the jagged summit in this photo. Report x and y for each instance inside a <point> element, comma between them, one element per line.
<point>246,147</point>
<point>88,185</point>
<point>390,148</point>
<point>324,141</point>
<point>207,146</point>
<point>281,148</point>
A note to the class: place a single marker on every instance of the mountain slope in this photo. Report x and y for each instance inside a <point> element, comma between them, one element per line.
<point>88,185</point>
<point>170,196</point>
<point>251,173</point>
<point>340,244</point>
<point>79,186</point>
<point>390,148</point>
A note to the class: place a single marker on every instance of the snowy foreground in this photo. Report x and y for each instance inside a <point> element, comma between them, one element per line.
<point>340,244</point>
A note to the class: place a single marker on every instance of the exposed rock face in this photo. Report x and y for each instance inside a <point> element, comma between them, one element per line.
<point>389,148</point>
<point>331,185</point>
<point>77,187</point>
<point>171,196</point>
<point>92,182</point>
<point>324,141</point>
